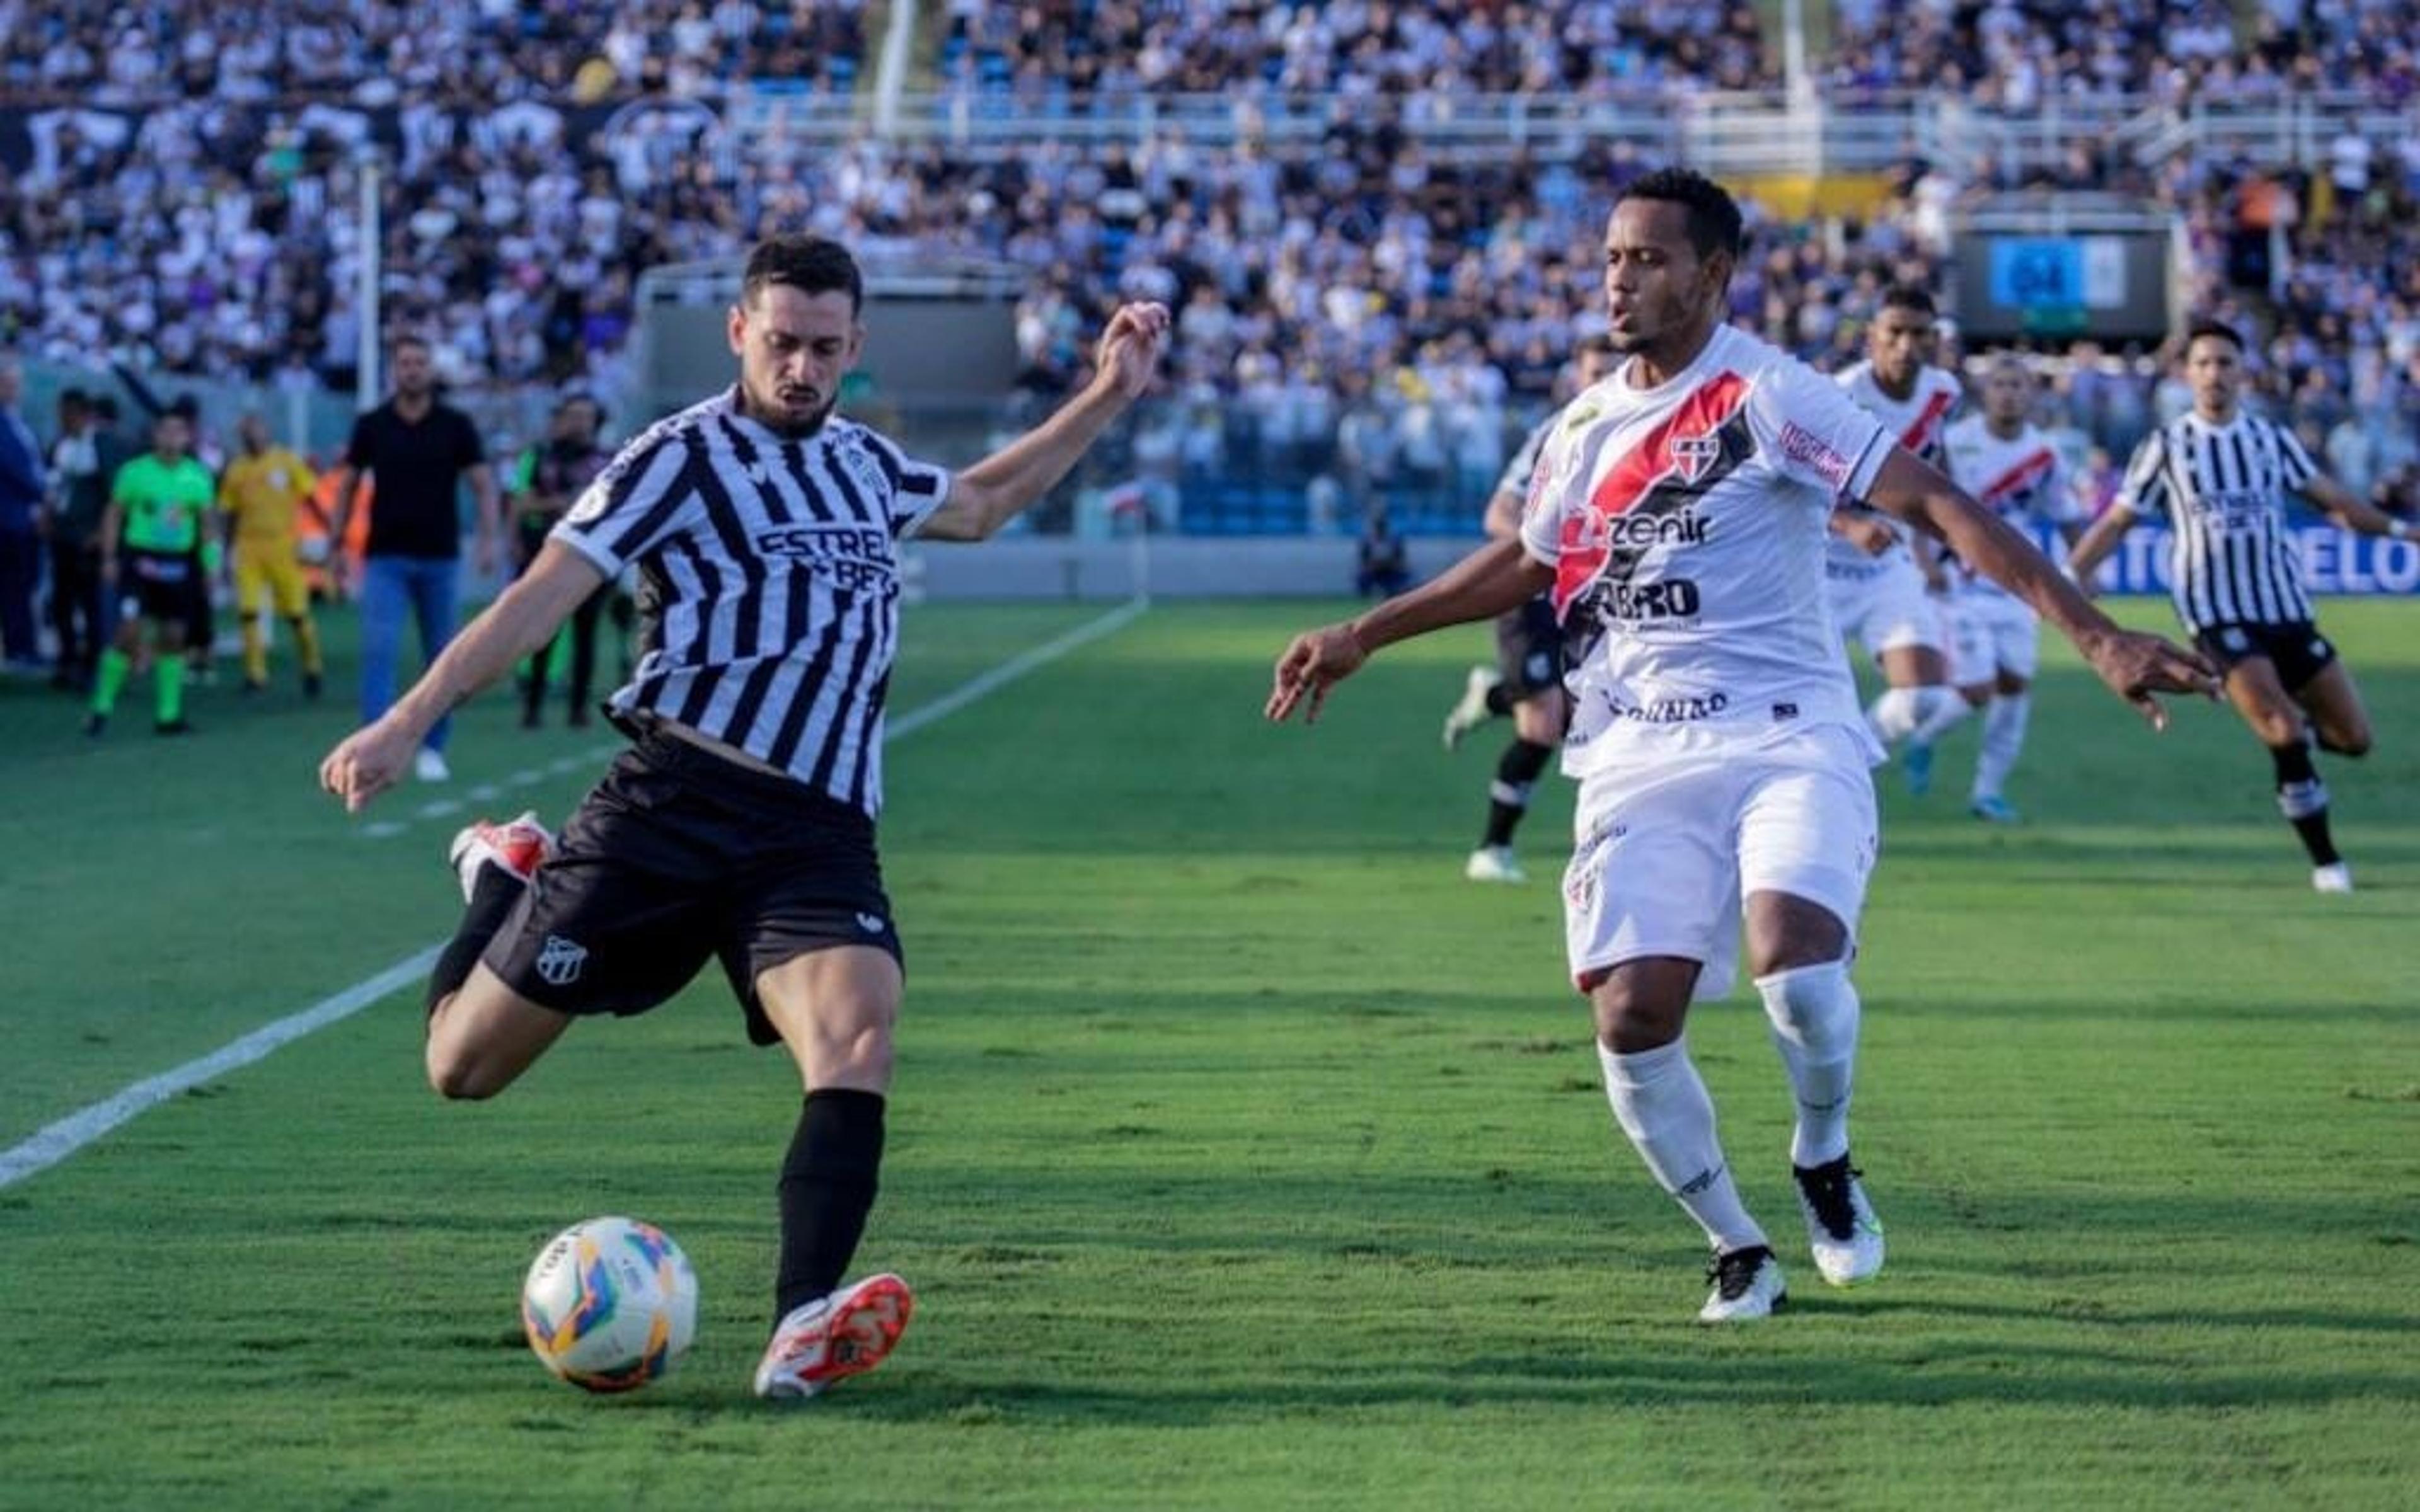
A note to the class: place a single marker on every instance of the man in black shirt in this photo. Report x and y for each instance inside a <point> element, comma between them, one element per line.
<point>418,450</point>
<point>80,477</point>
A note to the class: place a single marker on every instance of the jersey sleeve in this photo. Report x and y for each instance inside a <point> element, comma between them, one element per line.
<point>917,488</point>
<point>2145,488</point>
<point>2294,463</point>
<point>1516,479</point>
<point>357,446</point>
<point>1545,498</point>
<point>645,495</point>
<point>1814,434</point>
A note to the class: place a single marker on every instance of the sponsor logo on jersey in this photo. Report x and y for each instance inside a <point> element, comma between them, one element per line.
<point>1682,710</point>
<point>1809,450</point>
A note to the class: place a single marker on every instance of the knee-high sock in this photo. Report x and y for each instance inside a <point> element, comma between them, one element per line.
<point>167,687</point>
<point>1901,712</point>
<point>1814,1015</point>
<point>2303,798</point>
<point>306,642</point>
<point>256,650</point>
<point>1507,796</point>
<point>493,893</point>
<point>827,1185</point>
<point>116,667</point>
<point>1662,1105</point>
<point>2004,737</point>
<point>1944,715</point>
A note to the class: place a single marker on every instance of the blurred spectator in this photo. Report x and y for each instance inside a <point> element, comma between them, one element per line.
<point>24,482</point>
<point>1382,564</point>
<point>83,460</point>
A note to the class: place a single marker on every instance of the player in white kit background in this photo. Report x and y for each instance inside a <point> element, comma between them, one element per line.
<point>1678,519</point>
<point>2011,465</point>
<point>1886,585</point>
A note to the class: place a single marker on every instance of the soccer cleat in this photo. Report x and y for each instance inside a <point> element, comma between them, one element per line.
<point>254,687</point>
<point>173,726</point>
<point>520,846</point>
<point>1841,1227</point>
<point>2334,877</point>
<point>1470,710</point>
<point>1993,810</point>
<point>1748,1285</point>
<point>1917,762</point>
<point>96,725</point>
<point>311,686</point>
<point>834,1337</point>
<point>1494,863</point>
<point>429,765</point>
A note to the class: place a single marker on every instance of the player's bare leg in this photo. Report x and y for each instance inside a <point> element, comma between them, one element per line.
<point>1916,705</point>
<point>2004,737</point>
<point>1799,951</point>
<point>835,1009</point>
<point>1641,1007</point>
<point>482,1037</point>
<point>2329,706</point>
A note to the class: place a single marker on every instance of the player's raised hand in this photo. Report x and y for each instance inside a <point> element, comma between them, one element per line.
<point>366,763</point>
<point>2137,666</point>
<point>1317,661</point>
<point>1128,353</point>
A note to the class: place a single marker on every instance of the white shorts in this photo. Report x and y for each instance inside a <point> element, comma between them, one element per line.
<point>1989,634</point>
<point>1664,853</point>
<point>1885,608</point>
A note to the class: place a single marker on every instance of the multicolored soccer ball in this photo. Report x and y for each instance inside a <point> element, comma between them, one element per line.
<point>610,1304</point>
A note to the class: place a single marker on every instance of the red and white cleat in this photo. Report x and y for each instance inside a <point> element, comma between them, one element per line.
<point>844,1335</point>
<point>520,846</point>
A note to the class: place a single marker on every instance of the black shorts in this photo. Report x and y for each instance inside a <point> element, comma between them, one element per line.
<point>159,586</point>
<point>2296,648</point>
<point>679,855</point>
<point>1530,649</point>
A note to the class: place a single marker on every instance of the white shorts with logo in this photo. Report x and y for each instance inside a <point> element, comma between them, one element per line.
<point>1665,851</point>
<point>1884,607</point>
<point>1989,634</point>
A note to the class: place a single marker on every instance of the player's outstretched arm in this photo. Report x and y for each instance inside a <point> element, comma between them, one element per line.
<point>995,490</point>
<point>2135,666</point>
<point>515,625</point>
<point>2354,512</point>
<point>1498,576</point>
<point>2085,557</point>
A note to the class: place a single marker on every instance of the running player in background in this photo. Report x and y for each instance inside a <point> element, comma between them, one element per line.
<point>1715,730</point>
<point>261,493</point>
<point>1527,681</point>
<point>150,541</point>
<point>2221,476</point>
<point>2005,461</point>
<point>1886,585</point>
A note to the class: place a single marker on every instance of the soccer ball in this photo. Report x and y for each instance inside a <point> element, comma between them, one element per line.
<point>610,1304</point>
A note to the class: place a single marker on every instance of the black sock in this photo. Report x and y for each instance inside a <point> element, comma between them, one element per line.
<point>2303,798</point>
<point>828,1184</point>
<point>1509,795</point>
<point>492,896</point>
<point>1500,699</point>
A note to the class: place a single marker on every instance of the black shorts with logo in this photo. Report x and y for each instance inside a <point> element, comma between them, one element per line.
<point>1530,649</point>
<point>2296,648</point>
<point>680,854</point>
<point>161,586</point>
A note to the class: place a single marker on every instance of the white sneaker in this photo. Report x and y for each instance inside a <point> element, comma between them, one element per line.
<point>520,846</point>
<point>1494,863</point>
<point>2334,877</point>
<point>1841,1227</point>
<point>834,1338</point>
<point>1748,1285</point>
<point>429,766</point>
<point>1471,711</point>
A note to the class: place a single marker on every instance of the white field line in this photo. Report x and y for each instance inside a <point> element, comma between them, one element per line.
<point>56,1141</point>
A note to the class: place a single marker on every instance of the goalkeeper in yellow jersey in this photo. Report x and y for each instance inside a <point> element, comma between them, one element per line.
<point>263,486</point>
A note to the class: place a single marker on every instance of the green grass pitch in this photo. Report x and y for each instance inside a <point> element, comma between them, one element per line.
<point>1242,1156</point>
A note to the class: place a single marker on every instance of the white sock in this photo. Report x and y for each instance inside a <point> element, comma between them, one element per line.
<point>1814,1014</point>
<point>1662,1106</point>
<point>1893,714</point>
<point>2004,735</point>
<point>1945,708</point>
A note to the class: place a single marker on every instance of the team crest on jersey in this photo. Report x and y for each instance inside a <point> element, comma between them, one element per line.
<point>559,961</point>
<point>861,468</point>
<point>1694,454</point>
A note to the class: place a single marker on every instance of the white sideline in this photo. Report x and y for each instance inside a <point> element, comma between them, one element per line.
<point>56,1141</point>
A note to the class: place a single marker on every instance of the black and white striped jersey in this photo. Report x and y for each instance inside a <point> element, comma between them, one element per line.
<point>2223,488</point>
<point>769,578</point>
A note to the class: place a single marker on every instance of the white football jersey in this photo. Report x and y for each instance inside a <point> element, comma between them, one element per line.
<point>1686,526</point>
<point>1916,422</point>
<point>2019,478</point>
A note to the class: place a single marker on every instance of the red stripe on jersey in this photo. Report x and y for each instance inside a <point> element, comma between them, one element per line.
<point>1919,432</point>
<point>2024,475</point>
<point>1583,548</point>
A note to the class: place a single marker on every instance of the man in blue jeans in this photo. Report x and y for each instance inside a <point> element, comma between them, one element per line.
<point>418,449</point>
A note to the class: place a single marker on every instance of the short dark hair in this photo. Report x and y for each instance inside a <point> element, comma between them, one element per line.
<point>410,339</point>
<point>105,406</point>
<point>76,397</point>
<point>1913,297</point>
<point>811,265</point>
<point>1715,221</point>
<point>2216,331</point>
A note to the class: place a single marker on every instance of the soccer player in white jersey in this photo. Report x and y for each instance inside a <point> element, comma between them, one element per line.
<point>741,825</point>
<point>2005,461</point>
<point>1679,522</point>
<point>1884,584</point>
<point>1527,681</point>
<point>2221,477</point>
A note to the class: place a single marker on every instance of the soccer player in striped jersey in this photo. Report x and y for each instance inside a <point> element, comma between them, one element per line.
<point>2002,459</point>
<point>740,825</point>
<point>1883,581</point>
<point>1678,518</point>
<point>1527,681</point>
<point>2221,476</point>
